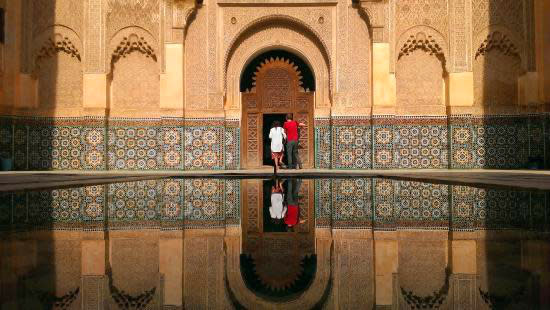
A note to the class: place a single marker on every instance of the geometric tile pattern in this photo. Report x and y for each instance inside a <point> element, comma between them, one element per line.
<point>322,143</point>
<point>351,203</point>
<point>500,142</point>
<point>163,204</point>
<point>137,202</point>
<point>460,141</point>
<point>203,148</point>
<point>421,146</point>
<point>232,201</point>
<point>6,137</point>
<point>385,213</point>
<point>203,202</point>
<point>421,205</point>
<point>232,144</point>
<point>134,147</point>
<point>323,202</point>
<point>351,143</point>
<point>381,204</point>
<point>417,205</point>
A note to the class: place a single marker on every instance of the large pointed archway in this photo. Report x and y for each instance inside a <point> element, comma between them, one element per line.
<point>273,84</point>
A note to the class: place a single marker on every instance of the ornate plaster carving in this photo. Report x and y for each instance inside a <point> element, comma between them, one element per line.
<point>125,13</point>
<point>500,42</point>
<point>497,67</point>
<point>425,38</point>
<point>132,39</point>
<point>54,40</point>
<point>274,30</point>
<point>432,13</point>
<point>57,66</point>
<point>284,36</point>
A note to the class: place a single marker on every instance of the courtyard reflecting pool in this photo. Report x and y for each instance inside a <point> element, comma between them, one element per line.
<point>348,243</point>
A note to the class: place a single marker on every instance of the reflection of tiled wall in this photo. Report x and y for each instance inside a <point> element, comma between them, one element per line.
<point>415,205</point>
<point>159,204</point>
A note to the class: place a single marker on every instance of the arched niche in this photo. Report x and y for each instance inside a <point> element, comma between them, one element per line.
<point>421,71</point>
<point>277,32</point>
<point>57,69</point>
<point>497,65</point>
<point>134,71</point>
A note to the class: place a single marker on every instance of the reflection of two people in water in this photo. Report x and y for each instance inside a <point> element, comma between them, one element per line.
<point>285,208</point>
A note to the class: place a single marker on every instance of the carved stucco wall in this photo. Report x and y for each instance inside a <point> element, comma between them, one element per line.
<point>133,55</point>
<point>357,64</point>
<point>420,71</point>
<point>135,71</point>
<point>196,62</point>
<point>135,264</point>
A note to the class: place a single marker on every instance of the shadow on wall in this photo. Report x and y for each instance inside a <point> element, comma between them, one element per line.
<point>512,136</point>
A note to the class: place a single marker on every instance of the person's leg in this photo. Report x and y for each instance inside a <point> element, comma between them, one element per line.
<point>289,148</point>
<point>296,155</point>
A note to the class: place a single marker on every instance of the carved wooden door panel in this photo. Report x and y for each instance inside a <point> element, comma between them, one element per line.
<point>277,90</point>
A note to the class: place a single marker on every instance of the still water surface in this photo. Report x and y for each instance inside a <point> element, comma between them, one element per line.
<point>351,243</point>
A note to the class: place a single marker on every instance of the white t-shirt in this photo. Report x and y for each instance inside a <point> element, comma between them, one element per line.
<point>276,134</point>
<point>277,210</point>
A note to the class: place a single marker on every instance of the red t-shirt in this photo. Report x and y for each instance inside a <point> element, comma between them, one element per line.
<point>291,129</point>
<point>291,216</point>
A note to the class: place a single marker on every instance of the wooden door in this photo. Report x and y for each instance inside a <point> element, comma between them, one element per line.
<point>277,89</point>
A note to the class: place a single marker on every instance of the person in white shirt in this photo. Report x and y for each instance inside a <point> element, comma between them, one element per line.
<point>277,135</point>
<point>277,210</point>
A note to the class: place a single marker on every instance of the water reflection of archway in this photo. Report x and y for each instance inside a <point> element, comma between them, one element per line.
<point>267,250</point>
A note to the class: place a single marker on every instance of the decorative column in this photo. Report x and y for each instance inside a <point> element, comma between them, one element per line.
<point>24,95</point>
<point>93,270</point>
<point>95,84</point>
<point>461,77</point>
<point>385,265</point>
<point>464,269</point>
<point>172,88</point>
<point>528,83</point>
<point>542,38</point>
<point>171,266</point>
<point>383,80</point>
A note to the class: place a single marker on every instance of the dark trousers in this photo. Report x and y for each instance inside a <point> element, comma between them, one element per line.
<point>292,153</point>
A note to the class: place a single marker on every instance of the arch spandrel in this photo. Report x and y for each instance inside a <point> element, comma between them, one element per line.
<point>123,36</point>
<point>277,32</point>
<point>430,34</point>
<point>279,37</point>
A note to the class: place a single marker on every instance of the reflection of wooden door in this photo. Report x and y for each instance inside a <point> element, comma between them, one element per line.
<point>277,90</point>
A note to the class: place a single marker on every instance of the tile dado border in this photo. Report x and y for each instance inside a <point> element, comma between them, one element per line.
<point>383,141</point>
<point>456,141</point>
<point>96,143</point>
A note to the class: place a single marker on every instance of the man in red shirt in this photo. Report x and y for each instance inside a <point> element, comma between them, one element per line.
<point>291,130</point>
<point>293,210</point>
